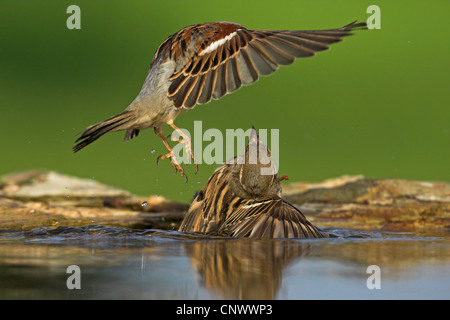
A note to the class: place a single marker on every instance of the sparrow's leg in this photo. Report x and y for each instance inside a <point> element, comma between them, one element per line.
<point>173,158</point>
<point>187,142</point>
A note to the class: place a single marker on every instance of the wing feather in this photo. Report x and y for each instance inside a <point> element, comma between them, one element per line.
<point>246,67</point>
<point>269,218</point>
<point>234,79</point>
<point>208,88</point>
<point>239,57</point>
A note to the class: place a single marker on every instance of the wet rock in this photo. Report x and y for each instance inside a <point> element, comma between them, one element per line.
<point>361,203</point>
<point>45,198</point>
<point>53,187</point>
<point>48,199</point>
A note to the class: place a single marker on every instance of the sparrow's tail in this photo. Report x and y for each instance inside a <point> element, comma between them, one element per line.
<point>97,130</point>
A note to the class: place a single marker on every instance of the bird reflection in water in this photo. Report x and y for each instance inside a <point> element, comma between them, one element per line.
<point>245,268</point>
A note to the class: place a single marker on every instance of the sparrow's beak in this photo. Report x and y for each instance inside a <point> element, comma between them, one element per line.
<point>254,138</point>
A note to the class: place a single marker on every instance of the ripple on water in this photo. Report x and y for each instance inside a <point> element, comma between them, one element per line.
<point>114,236</point>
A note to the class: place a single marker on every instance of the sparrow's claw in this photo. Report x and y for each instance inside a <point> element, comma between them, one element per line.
<point>165,156</point>
<point>196,167</point>
<point>173,161</point>
<point>185,139</point>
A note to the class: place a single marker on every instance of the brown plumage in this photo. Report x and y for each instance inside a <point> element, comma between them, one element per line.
<point>203,62</point>
<point>239,57</point>
<point>239,201</point>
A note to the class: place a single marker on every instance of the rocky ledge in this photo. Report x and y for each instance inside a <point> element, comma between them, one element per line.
<point>44,198</point>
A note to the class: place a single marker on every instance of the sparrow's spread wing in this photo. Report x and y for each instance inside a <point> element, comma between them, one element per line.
<point>269,218</point>
<point>218,58</point>
<point>209,208</point>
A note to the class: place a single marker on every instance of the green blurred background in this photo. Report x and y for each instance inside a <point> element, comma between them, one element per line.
<point>376,104</point>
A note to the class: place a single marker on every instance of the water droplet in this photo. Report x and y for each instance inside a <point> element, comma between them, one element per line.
<point>145,203</point>
<point>198,182</point>
<point>153,151</point>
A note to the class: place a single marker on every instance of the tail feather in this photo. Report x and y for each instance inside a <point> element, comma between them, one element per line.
<point>355,25</point>
<point>131,133</point>
<point>97,130</point>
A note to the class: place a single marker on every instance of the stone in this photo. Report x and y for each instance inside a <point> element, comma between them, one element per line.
<point>49,199</point>
<point>373,204</point>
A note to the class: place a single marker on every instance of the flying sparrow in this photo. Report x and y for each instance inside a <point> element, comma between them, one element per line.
<point>203,62</point>
<point>239,201</point>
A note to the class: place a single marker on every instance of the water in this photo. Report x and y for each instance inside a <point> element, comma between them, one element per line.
<point>120,263</point>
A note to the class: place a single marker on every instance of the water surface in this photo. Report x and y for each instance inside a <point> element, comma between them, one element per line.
<point>120,263</point>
